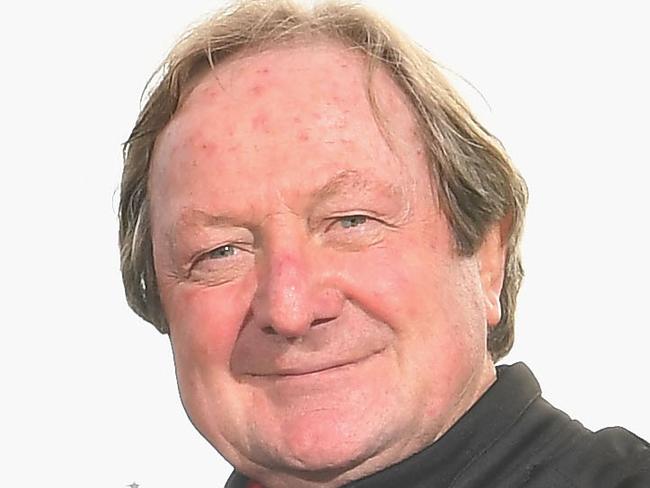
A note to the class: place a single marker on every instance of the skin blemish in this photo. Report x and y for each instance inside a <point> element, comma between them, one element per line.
<point>210,93</point>
<point>303,136</point>
<point>257,90</point>
<point>207,148</point>
<point>260,122</point>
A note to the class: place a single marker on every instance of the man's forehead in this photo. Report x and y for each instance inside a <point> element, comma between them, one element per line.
<point>326,60</point>
<point>323,69</point>
<point>289,106</point>
<point>293,76</point>
<point>323,80</point>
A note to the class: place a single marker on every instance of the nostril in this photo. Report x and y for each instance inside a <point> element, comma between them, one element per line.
<point>290,339</point>
<point>318,322</point>
<point>269,330</point>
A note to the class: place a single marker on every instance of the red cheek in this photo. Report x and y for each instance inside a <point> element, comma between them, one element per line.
<point>205,320</point>
<point>373,280</point>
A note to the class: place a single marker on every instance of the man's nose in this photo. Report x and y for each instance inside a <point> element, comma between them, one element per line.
<point>293,294</point>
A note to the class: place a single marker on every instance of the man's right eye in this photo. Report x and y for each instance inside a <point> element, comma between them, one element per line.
<point>222,264</point>
<point>221,252</point>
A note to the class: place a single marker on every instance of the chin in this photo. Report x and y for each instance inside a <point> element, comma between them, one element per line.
<point>324,437</point>
<point>330,421</point>
<point>321,442</point>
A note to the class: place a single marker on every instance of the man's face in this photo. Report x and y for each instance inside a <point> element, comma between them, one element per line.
<point>319,316</point>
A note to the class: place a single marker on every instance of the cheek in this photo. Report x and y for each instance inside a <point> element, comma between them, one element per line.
<point>204,322</point>
<point>428,296</point>
<point>401,281</point>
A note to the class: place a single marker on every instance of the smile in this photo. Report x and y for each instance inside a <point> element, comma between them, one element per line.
<point>315,370</point>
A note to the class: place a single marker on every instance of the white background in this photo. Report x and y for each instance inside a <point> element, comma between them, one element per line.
<point>88,394</point>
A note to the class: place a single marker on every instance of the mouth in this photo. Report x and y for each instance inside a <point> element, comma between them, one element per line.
<point>314,370</point>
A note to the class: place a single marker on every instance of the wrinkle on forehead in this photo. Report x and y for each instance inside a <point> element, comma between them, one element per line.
<point>344,181</point>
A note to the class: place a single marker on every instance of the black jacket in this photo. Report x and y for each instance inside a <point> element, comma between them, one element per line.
<point>514,438</point>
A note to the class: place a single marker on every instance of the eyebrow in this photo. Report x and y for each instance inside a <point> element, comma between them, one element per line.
<point>351,180</point>
<point>196,218</point>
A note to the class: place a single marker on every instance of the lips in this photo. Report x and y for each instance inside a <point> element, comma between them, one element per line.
<point>311,369</point>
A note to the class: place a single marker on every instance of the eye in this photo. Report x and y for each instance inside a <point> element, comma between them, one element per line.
<point>221,252</point>
<point>349,221</point>
<point>222,264</point>
<point>353,232</point>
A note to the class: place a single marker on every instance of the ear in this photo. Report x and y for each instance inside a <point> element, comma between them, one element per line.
<point>491,258</point>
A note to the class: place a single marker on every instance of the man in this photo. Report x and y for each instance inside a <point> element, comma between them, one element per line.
<point>331,241</point>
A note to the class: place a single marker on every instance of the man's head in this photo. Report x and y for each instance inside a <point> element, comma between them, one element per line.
<point>326,233</point>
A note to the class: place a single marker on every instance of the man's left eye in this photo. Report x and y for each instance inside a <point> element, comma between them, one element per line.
<point>349,221</point>
<point>353,232</point>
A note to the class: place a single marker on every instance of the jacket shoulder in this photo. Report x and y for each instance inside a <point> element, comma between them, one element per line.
<point>609,458</point>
